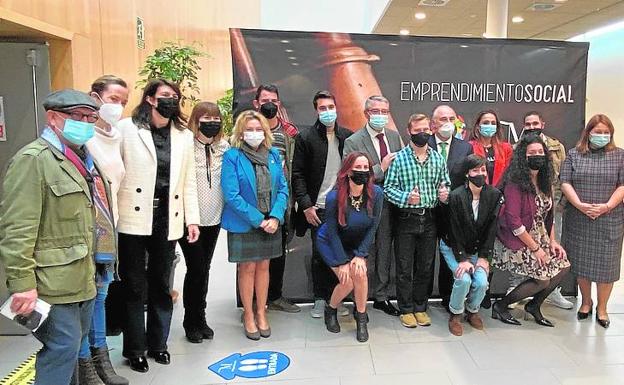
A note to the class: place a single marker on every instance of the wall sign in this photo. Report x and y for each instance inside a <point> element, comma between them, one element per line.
<point>251,365</point>
<point>140,32</point>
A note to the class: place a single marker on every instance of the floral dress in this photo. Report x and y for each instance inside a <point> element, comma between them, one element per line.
<point>523,261</point>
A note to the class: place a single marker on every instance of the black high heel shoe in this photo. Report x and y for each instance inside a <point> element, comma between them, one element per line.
<point>605,323</point>
<point>532,309</point>
<point>584,315</point>
<point>503,315</point>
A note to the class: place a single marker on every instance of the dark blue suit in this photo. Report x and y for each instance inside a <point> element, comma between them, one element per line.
<point>457,152</point>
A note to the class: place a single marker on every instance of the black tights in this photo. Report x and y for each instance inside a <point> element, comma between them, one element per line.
<point>538,289</point>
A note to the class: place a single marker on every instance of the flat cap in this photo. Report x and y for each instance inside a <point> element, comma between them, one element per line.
<point>67,99</point>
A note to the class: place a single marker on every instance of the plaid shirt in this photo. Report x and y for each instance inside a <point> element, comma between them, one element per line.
<point>406,172</point>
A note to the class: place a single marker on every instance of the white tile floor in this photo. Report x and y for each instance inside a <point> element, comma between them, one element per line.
<point>571,353</point>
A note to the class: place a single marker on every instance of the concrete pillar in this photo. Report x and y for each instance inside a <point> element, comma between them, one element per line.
<point>496,20</point>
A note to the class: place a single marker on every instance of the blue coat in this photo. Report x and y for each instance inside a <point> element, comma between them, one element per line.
<point>238,182</point>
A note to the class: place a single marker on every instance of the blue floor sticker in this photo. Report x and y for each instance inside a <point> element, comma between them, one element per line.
<point>251,365</point>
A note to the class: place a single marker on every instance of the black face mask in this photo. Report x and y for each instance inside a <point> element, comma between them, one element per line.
<point>168,107</point>
<point>421,139</point>
<point>359,177</point>
<point>209,129</point>
<point>477,180</point>
<point>532,131</point>
<point>269,110</point>
<point>536,162</point>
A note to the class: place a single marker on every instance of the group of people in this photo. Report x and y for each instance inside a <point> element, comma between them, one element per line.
<point>99,200</point>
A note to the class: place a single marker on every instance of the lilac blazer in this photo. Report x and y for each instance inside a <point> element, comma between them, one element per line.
<point>517,212</point>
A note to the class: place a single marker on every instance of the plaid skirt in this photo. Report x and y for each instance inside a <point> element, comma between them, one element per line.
<point>255,245</point>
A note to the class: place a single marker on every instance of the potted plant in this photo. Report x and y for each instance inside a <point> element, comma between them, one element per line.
<point>177,63</point>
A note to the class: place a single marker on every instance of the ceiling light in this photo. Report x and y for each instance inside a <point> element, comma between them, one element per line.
<point>295,64</point>
<point>285,41</point>
<point>517,19</point>
<point>464,46</point>
<point>289,50</point>
<point>404,31</point>
<point>393,44</point>
<point>292,57</point>
<point>420,15</point>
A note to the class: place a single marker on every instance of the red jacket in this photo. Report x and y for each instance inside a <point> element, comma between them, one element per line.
<point>502,155</point>
<point>289,128</point>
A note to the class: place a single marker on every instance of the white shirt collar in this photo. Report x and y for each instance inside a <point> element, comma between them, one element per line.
<point>374,133</point>
<point>448,141</point>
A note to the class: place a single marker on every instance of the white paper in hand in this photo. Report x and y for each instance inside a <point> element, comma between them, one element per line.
<point>31,321</point>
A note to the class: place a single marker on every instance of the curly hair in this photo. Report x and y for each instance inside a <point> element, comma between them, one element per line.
<point>518,171</point>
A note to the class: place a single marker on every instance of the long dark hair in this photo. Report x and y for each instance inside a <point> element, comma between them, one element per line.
<point>475,134</point>
<point>142,114</point>
<point>518,171</point>
<point>342,185</point>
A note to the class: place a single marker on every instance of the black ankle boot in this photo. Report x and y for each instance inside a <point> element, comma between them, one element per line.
<point>104,367</point>
<point>86,373</point>
<point>533,309</point>
<point>331,319</point>
<point>361,321</point>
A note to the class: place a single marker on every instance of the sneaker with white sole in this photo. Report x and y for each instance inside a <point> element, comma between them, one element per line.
<point>319,309</point>
<point>555,298</point>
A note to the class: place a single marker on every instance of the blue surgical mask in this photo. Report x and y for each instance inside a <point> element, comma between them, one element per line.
<point>328,117</point>
<point>599,140</point>
<point>378,122</point>
<point>77,132</point>
<point>487,130</point>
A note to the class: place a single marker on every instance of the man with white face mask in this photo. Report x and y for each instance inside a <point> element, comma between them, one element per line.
<point>381,144</point>
<point>454,150</point>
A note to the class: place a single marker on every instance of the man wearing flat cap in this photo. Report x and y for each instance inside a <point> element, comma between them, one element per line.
<point>55,223</point>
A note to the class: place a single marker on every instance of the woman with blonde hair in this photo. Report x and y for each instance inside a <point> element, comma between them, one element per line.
<point>255,192</point>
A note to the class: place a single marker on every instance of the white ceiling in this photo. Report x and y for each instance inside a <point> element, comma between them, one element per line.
<point>464,18</point>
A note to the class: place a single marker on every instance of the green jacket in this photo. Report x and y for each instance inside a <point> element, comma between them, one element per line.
<point>47,226</point>
<point>557,155</point>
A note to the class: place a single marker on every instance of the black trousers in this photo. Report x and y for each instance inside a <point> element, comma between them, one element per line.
<point>445,278</point>
<point>323,278</point>
<point>198,257</point>
<point>414,248</point>
<point>139,282</point>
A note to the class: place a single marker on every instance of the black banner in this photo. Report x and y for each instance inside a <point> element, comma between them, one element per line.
<point>416,74</point>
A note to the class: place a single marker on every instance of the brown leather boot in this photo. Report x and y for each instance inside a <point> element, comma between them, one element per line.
<point>474,319</point>
<point>455,325</point>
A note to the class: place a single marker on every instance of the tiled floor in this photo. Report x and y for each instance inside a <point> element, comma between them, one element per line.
<point>571,353</point>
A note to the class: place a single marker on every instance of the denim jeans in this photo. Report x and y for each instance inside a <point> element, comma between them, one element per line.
<point>469,290</point>
<point>97,334</point>
<point>415,242</point>
<point>61,335</point>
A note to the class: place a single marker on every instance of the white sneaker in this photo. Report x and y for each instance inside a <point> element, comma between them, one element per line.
<point>555,298</point>
<point>343,311</point>
<point>319,309</point>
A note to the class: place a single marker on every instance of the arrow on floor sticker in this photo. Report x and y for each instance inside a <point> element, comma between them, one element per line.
<point>251,365</point>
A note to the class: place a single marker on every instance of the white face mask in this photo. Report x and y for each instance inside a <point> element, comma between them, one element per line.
<point>253,138</point>
<point>446,130</point>
<point>111,113</point>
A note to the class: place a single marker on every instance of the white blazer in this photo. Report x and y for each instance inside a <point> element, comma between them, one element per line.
<point>136,192</point>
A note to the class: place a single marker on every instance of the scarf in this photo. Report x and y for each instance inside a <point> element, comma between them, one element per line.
<point>260,160</point>
<point>105,236</point>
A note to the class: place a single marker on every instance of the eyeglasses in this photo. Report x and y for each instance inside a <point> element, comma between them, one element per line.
<point>79,116</point>
<point>377,111</point>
